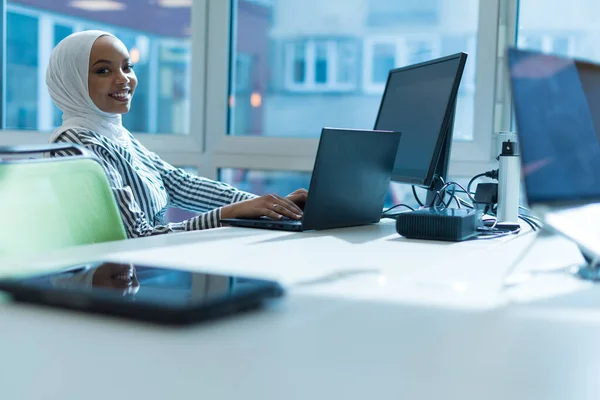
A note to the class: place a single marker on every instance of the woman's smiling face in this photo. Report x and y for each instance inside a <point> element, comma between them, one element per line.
<point>111,80</point>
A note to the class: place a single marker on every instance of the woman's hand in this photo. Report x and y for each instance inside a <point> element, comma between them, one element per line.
<point>270,205</point>
<point>298,197</point>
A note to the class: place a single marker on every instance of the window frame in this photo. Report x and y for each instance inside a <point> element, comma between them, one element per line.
<point>175,148</point>
<point>272,153</point>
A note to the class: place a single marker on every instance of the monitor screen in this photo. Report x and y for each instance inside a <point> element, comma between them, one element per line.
<point>555,101</point>
<point>419,101</point>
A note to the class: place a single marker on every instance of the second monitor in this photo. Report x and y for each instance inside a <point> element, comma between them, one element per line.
<point>419,100</point>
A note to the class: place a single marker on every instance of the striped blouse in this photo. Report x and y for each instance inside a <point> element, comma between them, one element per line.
<point>145,186</point>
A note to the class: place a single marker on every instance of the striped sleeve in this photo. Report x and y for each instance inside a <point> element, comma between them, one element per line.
<point>134,219</point>
<point>195,193</point>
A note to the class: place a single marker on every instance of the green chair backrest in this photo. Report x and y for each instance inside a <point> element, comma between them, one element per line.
<point>52,203</point>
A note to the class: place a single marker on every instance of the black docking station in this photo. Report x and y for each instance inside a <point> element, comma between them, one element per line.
<point>448,224</point>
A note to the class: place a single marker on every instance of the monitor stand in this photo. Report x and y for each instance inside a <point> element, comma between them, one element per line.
<point>432,191</point>
<point>590,271</point>
<point>441,167</point>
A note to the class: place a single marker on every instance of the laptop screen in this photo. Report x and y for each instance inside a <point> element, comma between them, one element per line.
<point>559,146</point>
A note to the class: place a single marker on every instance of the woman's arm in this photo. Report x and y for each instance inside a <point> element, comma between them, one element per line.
<point>134,219</point>
<point>195,193</point>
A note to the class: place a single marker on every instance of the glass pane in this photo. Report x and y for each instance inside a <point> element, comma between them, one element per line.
<point>157,38</point>
<point>264,182</point>
<point>325,63</point>
<point>285,182</point>
<point>21,69</point>
<point>321,63</point>
<point>419,51</point>
<point>552,26</point>
<point>60,32</point>
<point>299,62</point>
<point>346,65</point>
<point>384,59</point>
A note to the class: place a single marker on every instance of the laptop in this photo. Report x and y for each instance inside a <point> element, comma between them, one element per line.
<point>556,102</point>
<point>349,182</point>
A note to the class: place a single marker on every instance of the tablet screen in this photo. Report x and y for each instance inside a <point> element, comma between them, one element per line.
<point>130,282</point>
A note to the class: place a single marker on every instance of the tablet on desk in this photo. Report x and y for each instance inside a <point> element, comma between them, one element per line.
<point>148,293</point>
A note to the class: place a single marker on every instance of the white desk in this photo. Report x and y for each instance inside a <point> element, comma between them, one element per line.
<point>426,320</point>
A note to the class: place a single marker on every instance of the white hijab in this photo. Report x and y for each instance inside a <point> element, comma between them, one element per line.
<point>67,81</point>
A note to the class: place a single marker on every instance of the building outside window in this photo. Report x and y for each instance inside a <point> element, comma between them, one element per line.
<point>321,65</point>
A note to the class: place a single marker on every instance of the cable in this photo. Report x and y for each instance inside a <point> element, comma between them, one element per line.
<point>529,215</point>
<point>533,227</point>
<point>417,197</point>
<point>384,213</point>
<point>495,233</point>
<point>419,202</point>
<point>399,205</point>
<point>452,196</point>
<point>466,203</point>
<point>443,188</point>
<point>463,189</point>
<point>531,221</point>
<point>473,179</point>
<point>492,174</point>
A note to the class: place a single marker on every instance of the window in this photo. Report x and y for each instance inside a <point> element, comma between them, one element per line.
<point>327,65</point>
<point>551,27</point>
<point>264,182</point>
<point>320,65</point>
<point>258,79</point>
<point>157,39</point>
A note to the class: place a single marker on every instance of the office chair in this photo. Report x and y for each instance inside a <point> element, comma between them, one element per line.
<point>53,203</point>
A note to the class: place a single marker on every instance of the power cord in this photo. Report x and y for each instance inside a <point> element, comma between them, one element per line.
<point>482,235</point>
<point>441,193</point>
<point>490,209</point>
<point>450,188</point>
<point>385,214</point>
<point>414,190</point>
<point>492,174</point>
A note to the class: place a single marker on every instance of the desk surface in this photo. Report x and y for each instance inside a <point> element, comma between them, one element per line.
<point>491,319</point>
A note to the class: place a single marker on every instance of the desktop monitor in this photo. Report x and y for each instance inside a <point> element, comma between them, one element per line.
<point>589,75</point>
<point>419,100</point>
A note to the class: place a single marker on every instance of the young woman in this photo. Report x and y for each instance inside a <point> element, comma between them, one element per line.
<point>91,79</point>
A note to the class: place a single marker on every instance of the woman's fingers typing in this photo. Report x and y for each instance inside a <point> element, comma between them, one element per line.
<point>288,204</point>
<point>271,205</point>
<point>277,207</point>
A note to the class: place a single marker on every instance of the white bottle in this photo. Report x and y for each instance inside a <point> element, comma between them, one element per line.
<point>509,182</point>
